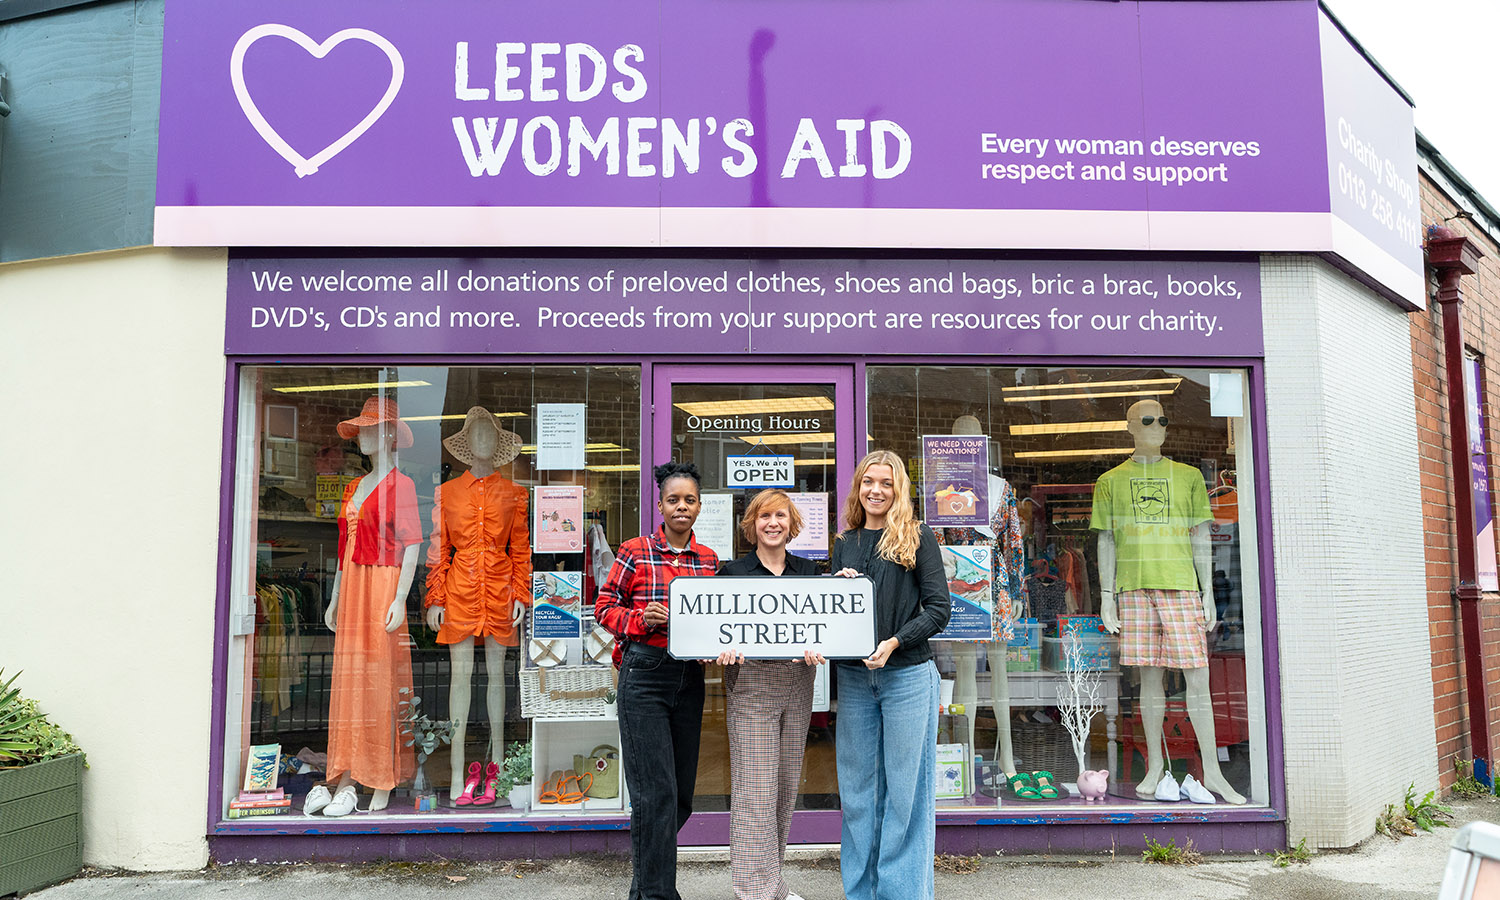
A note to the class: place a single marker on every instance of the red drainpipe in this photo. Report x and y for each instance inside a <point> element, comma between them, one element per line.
<point>1452,257</point>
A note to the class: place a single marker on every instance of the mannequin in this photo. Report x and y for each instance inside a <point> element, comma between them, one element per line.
<point>380,537</point>
<point>478,584</point>
<point>1152,516</point>
<point>1003,537</point>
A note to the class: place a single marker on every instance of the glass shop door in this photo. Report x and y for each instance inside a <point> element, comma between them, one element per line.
<point>716,416</point>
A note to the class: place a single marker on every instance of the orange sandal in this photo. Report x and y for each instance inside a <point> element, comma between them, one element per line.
<point>582,790</point>
<point>552,788</point>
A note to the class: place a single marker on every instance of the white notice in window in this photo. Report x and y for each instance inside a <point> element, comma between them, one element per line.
<point>559,435</point>
<point>1226,394</point>
<point>715,526</point>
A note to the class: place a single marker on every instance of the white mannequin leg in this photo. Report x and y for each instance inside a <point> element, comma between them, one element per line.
<point>494,667</point>
<point>461,666</point>
<point>1153,715</point>
<point>1200,708</point>
<point>965,685</point>
<point>1000,698</point>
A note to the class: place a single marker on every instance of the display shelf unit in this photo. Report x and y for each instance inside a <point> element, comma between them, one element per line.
<point>555,741</point>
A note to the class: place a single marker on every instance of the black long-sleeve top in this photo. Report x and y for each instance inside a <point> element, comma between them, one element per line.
<point>910,604</point>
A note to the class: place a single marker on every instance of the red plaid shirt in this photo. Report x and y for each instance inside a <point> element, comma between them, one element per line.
<point>643,567</point>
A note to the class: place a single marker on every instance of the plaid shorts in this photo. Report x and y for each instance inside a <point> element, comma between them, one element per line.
<point>1162,628</point>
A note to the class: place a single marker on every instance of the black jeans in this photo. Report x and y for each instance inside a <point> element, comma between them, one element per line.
<point>661,717</point>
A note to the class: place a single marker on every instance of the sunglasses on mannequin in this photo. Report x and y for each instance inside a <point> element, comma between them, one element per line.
<point>1148,420</point>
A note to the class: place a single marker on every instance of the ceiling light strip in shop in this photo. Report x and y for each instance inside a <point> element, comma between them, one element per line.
<point>1076,385</point>
<point>1072,454</point>
<point>710,408</point>
<point>361,386</point>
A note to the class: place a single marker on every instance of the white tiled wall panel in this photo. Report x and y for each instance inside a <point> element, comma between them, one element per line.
<point>1356,675</point>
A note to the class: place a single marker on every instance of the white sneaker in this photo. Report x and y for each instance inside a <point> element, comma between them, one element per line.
<point>1193,790</point>
<point>793,895</point>
<point>1167,789</point>
<point>344,802</point>
<point>317,798</point>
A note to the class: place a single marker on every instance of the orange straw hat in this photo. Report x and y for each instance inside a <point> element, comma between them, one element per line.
<point>507,448</point>
<point>377,410</point>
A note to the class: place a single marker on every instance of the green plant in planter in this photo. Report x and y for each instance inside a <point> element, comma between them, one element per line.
<point>517,767</point>
<point>26,734</point>
<point>41,771</point>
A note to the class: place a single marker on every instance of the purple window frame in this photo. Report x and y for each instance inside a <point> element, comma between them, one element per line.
<point>1241,828</point>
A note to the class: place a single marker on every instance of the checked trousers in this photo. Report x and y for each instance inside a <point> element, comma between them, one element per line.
<point>769,706</point>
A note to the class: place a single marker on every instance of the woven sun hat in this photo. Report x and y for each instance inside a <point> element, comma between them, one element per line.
<point>377,410</point>
<point>506,449</point>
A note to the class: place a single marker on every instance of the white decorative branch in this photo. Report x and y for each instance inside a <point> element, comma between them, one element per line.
<point>1078,694</point>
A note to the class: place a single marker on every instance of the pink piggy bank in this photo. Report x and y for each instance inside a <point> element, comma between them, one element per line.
<point>1092,784</point>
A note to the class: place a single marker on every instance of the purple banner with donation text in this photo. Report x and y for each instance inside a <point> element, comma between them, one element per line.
<point>430,305</point>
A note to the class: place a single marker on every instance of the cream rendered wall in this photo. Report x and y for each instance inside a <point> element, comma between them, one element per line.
<point>1356,675</point>
<point>112,375</point>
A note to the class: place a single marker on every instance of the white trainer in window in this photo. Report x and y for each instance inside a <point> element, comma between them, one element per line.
<point>1195,791</point>
<point>344,802</point>
<point>1167,789</point>
<point>317,798</point>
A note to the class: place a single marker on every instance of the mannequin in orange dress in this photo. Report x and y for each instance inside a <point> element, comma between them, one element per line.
<point>478,585</point>
<point>380,536</point>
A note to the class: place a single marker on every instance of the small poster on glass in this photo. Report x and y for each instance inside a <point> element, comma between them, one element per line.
<point>955,480</point>
<point>556,605</point>
<point>558,525</point>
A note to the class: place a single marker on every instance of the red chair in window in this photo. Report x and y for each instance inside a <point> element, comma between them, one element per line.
<point>1226,684</point>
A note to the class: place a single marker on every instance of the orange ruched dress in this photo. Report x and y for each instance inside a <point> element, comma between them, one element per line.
<point>371,666</point>
<point>479,561</point>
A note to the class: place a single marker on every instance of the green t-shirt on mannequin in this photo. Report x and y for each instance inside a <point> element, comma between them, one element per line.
<point>1151,509</point>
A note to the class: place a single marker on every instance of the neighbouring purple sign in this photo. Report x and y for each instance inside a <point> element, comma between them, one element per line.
<point>1146,125</point>
<point>1479,472</point>
<point>433,305</point>
<point>955,480</point>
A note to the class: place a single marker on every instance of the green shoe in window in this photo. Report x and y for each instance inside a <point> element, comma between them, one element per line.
<point>1044,786</point>
<point>1023,787</point>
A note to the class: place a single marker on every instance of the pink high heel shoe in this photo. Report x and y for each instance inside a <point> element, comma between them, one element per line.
<point>491,780</point>
<point>471,784</point>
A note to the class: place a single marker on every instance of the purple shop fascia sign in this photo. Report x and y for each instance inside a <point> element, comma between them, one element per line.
<point>487,305</point>
<point>967,124</point>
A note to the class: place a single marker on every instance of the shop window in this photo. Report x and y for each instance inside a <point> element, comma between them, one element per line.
<point>536,518</point>
<point>1060,443</point>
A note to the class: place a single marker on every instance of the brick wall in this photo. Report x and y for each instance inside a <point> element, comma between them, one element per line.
<point>1481,313</point>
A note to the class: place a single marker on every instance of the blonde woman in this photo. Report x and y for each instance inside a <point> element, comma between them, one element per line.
<point>888,702</point>
<point>769,706</point>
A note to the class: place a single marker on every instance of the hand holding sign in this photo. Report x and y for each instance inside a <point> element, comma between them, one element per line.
<point>655,614</point>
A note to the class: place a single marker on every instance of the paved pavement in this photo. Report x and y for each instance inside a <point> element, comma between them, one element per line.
<point>1409,869</point>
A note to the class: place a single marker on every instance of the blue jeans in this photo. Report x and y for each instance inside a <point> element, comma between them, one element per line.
<point>661,717</point>
<point>887,757</point>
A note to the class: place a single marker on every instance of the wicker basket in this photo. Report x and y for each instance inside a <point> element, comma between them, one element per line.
<point>1041,746</point>
<point>567,692</point>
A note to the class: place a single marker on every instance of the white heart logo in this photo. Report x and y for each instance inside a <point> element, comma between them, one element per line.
<point>302,165</point>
